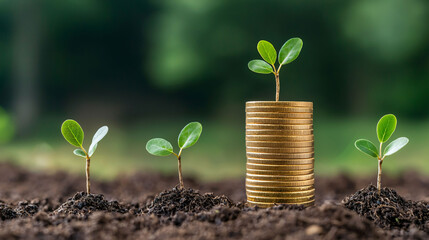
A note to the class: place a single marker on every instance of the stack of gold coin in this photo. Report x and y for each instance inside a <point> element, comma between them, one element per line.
<point>280,153</point>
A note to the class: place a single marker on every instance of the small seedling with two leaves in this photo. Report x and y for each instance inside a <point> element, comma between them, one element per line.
<point>187,137</point>
<point>385,128</point>
<point>288,53</point>
<point>73,133</point>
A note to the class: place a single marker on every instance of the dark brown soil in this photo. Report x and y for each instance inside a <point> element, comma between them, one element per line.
<point>6,212</point>
<point>187,200</point>
<point>83,204</point>
<point>388,209</point>
<point>49,206</point>
<point>23,209</point>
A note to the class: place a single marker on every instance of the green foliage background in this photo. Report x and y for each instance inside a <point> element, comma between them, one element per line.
<point>146,67</point>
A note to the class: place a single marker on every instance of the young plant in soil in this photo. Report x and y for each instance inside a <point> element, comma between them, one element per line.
<point>187,137</point>
<point>288,53</point>
<point>385,128</point>
<point>73,133</point>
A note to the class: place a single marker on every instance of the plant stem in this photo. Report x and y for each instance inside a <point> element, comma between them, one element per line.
<point>88,184</point>
<point>277,86</point>
<point>380,162</point>
<point>179,163</point>
<point>276,73</point>
<point>88,163</point>
<point>182,186</point>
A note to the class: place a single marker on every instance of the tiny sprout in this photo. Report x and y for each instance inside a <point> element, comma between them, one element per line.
<point>385,128</point>
<point>73,133</point>
<point>187,137</point>
<point>288,53</point>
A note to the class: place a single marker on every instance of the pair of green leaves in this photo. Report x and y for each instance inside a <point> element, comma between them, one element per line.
<point>385,128</point>
<point>73,133</point>
<point>187,137</point>
<point>288,53</point>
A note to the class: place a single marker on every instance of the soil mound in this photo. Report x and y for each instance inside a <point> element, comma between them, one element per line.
<point>388,209</point>
<point>23,209</point>
<point>27,208</point>
<point>6,212</point>
<point>83,204</point>
<point>169,202</point>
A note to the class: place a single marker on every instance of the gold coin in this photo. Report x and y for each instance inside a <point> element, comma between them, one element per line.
<point>279,177</point>
<point>272,138</point>
<point>279,126</point>
<point>279,144</point>
<point>279,115</point>
<point>279,103</point>
<point>267,120</point>
<point>280,150</point>
<point>278,189</point>
<point>279,183</point>
<point>280,199</point>
<point>267,205</point>
<point>279,109</point>
<point>280,167</point>
<point>253,193</point>
<point>279,132</point>
<point>281,173</point>
<point>279,155</point>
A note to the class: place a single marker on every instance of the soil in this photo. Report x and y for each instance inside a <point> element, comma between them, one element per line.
<point>187,200</point>
<point>50,206</point>
<point>83,204</point>
<point>388,209</point>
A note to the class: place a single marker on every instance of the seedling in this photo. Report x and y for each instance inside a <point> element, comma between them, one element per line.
<point>288,53</point>
<point>187,137</point>
<point>73,133</point>
<point>385,128</point>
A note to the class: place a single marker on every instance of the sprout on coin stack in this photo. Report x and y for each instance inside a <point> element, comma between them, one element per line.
<point>279,139</point>
<point>288,53</point>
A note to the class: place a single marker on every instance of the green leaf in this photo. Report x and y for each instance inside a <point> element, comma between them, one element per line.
<point>290,51</point>
<point>366,147</point>
<point>80,153</point>
<point>72,132</point>
<point>100,134</point>
<point>159,147</point>
<point>92,149</point>
<point>259,66</point>
<point>395,146</point>
<point>385,127</point>
<point>267,51</point>
<point>190,134</point>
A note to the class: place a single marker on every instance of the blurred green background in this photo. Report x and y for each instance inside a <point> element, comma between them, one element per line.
<point>146,68</point>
